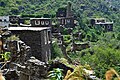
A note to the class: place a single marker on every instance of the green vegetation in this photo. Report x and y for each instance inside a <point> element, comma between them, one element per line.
<point>56,51</point>
<point>104,52</point>
<point>56,74</point>
<point>13,38</point>
<point>6,56</point>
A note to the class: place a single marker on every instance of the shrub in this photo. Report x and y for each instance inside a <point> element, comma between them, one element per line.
<point>56,51</point>
<point>102,59</point>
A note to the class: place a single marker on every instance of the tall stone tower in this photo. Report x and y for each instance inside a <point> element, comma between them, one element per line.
<point>69,10</point>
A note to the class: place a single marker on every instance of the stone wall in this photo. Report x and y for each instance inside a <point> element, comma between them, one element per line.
<point>38,42</point>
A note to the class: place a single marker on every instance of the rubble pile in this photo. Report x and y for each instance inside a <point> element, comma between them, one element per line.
<point>33,69</point>
<point>21,65</point>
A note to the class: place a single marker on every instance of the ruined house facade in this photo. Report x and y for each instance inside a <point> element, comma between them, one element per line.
<point>65,16</point>
<point>10,21</point>
<point>40,22</point>
<point>67,22</point>
<point>108,26</point>
<point>37,38</point>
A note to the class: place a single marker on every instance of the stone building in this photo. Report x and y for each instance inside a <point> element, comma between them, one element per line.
<point>14,21</point>
<point>69,13</point>
<point>40,22</point>
<point>4,21</point>
<point>10,21</point>
<point>108,26</point>
<point>79,46</point>
<point>93,21</point>
<point>65,12</point>
<point>65,16</point>
<point>66,22</point>
<point>38,38</point>
<point>61,12</point>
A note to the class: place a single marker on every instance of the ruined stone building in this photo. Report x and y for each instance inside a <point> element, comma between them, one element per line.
<point>69,13</point>
<point>65,12</point>
<point>40,22</point>
<point>61,12</point>
<point>32,51</point>
<point>37,38</point>
<point>108,26</point>
<point>65,16</point>
<point>10,21</point>
<point>15,21</point>
<point>37,35</point>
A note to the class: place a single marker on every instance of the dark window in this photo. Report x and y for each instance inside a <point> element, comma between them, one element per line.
<point>0,20</point>
<point>5,20</point>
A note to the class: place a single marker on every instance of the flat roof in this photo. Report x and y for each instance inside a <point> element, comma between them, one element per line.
<point>98,18</point>
<point>40,18</point>
<point>28,28</point>
<point>25,25</point>
<point>105,23</point>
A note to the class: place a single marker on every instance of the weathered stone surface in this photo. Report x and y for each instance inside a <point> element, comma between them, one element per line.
<point>40,22</point>
<point>61,12</point>
<point>39,42</point>
<point>11,74</point>
<point>79,46</point>
<point>66,22</point>
<point>33,70</point>
<point>14,19</point>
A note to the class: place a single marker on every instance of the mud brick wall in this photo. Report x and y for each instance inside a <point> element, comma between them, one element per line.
<point>40,48</point>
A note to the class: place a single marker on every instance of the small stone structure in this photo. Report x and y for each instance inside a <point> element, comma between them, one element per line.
<point>20,52</point>
<point>108,26</point>
<point>79,46</point>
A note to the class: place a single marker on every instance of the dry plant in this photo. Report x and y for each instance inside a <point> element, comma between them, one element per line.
<point>1,76</point>
<point>13,37</point>
<point>110,73</point>
<point>77,74</point>
<point>1,43</point>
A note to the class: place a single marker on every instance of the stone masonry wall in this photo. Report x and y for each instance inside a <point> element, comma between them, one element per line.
<point>40,48</point>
